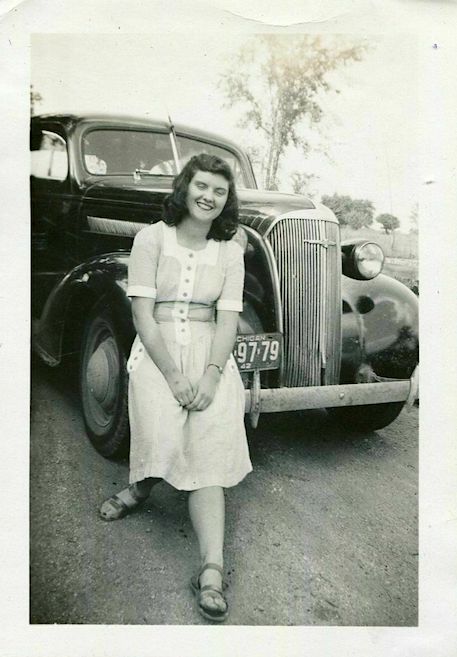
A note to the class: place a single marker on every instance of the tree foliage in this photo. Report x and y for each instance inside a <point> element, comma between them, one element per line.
<point>302,183</point>
<point>357,213</point>
<point>276,81</point>
<point>388,222</point>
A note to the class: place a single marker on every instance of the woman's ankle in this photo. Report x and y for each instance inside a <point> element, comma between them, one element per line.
<point>143,488</point>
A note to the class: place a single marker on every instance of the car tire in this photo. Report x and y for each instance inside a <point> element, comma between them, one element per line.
<point>369,417</point>
<point>103,382</point>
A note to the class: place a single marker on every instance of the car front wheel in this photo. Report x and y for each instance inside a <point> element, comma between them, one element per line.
<point>103,383</point>
<point>369,417</point>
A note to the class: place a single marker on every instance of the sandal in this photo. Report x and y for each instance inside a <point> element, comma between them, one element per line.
<point>210,614</point>
<point>115,508</point>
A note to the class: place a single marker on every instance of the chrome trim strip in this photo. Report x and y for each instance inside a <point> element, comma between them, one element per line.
<point>323,306</point>
<point>106,226</point>
<point>45,355</point>
<point>271,261</point>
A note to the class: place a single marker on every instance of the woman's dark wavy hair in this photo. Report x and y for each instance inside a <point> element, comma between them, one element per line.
<point>175,204</point>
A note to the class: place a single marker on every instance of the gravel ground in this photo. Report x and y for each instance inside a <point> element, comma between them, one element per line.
<point>323,532</point>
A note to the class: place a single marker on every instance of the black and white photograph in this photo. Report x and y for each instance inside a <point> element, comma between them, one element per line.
<point>225,234</point>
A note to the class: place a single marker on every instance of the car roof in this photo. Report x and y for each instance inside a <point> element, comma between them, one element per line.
<point>118,120</point>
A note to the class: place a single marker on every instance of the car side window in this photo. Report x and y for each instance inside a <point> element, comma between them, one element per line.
<point>189,147</point>
<point>49,158</point>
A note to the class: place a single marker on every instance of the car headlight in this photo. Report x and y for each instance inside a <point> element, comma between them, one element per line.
<point>368,259</point>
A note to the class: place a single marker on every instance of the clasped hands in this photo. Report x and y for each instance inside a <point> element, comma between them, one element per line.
<point>198,397</point>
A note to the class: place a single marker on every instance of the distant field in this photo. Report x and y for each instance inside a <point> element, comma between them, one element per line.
<point>402,268</point>
<point>404,245</point>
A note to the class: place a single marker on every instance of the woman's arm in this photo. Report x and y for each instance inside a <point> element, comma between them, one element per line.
<point>151,337</point>
<point>224,339</point>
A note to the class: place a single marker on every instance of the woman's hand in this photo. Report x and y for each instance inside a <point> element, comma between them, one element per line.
<point>206,389</point>
<point>181,388</point>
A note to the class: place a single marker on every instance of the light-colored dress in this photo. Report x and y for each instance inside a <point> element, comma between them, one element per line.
<point>188,449</point>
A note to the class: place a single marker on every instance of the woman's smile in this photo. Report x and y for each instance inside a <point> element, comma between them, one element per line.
<point>204,205</point>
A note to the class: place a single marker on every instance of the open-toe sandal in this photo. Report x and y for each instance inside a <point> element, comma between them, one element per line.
<point>199,591</point>
<point>115,508</point>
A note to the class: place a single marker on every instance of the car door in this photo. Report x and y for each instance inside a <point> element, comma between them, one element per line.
<point>50,210</point>
<point>127,173</point>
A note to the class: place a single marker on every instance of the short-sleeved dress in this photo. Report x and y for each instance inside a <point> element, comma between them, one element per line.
<point>188,449</point>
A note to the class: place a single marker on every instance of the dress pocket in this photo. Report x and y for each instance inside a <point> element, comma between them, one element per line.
<point>136,356</point>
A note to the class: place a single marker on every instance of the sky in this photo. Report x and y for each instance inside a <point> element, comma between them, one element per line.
<point>369,127</point>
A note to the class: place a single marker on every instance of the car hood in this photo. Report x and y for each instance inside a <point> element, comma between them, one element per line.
<point>255,205</point>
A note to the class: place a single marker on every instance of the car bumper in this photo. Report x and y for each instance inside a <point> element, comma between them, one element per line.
<point>274,400</point>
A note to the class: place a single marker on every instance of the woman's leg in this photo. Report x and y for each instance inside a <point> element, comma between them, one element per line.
<point>207,513</point>
<point>126,500</point>
<point>143,488</point>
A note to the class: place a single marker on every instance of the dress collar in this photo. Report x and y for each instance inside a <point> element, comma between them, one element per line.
<point>207,256</point>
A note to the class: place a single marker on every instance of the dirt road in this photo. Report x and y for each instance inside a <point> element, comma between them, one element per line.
<point>323,532</point>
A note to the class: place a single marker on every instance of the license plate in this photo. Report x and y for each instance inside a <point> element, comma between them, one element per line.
<point>258,351</point>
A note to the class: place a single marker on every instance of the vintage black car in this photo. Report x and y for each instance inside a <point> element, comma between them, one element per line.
<point>321,326</point>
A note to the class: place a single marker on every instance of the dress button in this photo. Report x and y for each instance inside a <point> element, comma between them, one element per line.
<point>187,280</point>
<point>189,268</point>
<point>183,320</point>
<point>184,294</point>
<point>182,311</point>
<point>191,255</point>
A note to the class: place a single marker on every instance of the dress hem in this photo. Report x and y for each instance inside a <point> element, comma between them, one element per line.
<point>156,475</point>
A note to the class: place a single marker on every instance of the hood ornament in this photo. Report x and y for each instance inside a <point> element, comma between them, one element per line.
<point>325,243</point>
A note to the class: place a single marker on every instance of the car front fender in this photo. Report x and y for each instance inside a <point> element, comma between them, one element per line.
<point>101,280</point>
<point>379,330</point>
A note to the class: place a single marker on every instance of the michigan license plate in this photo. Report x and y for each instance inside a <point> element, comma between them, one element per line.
<point>258,351</point>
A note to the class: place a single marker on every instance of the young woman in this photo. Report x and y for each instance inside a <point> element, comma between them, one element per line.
<point>186,398</point>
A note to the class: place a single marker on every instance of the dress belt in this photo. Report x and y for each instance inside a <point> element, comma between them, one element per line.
<point>165,314</point>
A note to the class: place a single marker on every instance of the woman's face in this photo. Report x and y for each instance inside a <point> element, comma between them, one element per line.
<point>206,196</point>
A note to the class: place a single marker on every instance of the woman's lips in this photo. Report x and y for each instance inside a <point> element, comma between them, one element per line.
<point>204,206</point>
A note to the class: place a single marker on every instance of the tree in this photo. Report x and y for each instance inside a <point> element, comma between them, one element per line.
<point>276,80</point>
<point>390,225</point>
<point>357,213</point>
<point>388,222</point>
<point>301,183</point>
<point>35,97</point>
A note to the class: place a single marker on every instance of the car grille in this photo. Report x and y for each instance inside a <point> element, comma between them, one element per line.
<point>308,257</point>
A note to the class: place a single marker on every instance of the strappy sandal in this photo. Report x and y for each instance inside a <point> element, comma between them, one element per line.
<point>115,508</point>
<point>209,614</point>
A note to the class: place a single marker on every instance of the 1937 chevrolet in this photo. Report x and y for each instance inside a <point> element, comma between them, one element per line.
<point>321,326</point>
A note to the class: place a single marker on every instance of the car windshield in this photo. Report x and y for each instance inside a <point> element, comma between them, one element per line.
<point>110,152</point>
<point>124,152</point>
<point>188,147</point>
